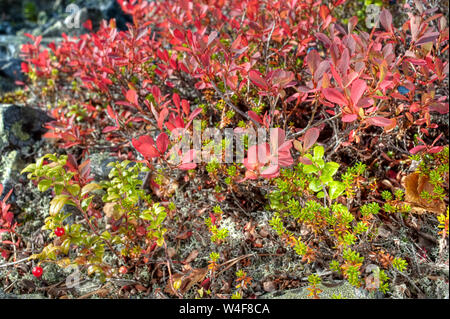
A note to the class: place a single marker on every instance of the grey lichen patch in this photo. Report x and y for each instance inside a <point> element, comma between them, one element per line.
<point>235,236</point>
<point>345,290</point>
<point>17,130</point>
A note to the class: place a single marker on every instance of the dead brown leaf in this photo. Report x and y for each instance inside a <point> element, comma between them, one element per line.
<point>415,184</point>
<point>191,257</point>
<point>111,210</point>
<point>188,280</point>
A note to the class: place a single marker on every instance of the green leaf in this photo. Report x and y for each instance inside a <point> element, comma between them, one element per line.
<point>106,235</point>
<point>86,202</point>
<point>73,189</point>
<point>315,185</point>
<point>330,168</point>
<point>308,169</point>
<point>318,152</point>
<point>325,179</point>
<point>44,185</point>
<point>65,246</point>
<point>58,203</point>
<point>89,188</point>
<point>58,189</point>
<point>30,168</point>
<point>336,189</point>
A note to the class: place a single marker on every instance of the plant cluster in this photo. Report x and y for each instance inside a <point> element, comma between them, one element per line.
<point>321,84</point>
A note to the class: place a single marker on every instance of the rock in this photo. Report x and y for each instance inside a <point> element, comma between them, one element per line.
<point>269,286</point>
<point>99,165</point>
<point>10,72</point>
<point>4,295</point>
<point>20,126</point>
<point>112,10</point>
<point>10,167</point>
<point>73,24</point>
<point>345,290</point>
<point>6,28</point>
<point>11,69</point>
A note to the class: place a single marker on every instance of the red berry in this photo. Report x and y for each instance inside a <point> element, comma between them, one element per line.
<point>37,271</point>
<point>123,270</point>
<point>59,231</point>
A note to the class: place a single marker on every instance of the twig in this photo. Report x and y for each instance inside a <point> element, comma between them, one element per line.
<point>14,263</point>
<point>314,125</point>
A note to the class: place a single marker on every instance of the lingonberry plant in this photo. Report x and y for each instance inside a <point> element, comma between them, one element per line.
<point>334,97</point>
<point>134,219</point>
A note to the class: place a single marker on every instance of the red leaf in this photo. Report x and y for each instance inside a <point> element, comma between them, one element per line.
<point>176,100</point>
<point>257,79</point>
<point>333,95</point>
<point>358,88</point>
<point>271,171</point>
<point>132,97</point>
<point>179,35</point>
<point>162,116</point>
<point>310,138</point>
<point>195,113</point>
<point>24,67</point>
<point>305,160</point>
<point>441,108</point>
<point>386,20</point>
<point>379,121</point>
<point>347,118</point>
<point>162,142</point>
<point>255,117</point>
<point>145,146</point>
<point>186,107</point>
<point>187,160</point>
<point>110,129</point>
<point>417,149</point>
<point>88,25</point>
<point>187,166</point>
<point>111,112</point>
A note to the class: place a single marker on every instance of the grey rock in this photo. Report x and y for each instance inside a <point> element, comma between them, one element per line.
<point>11,69</point>
<point>112,10</point>
<point>345,290</point>
<point>73,24</point>
<point>20,126</point>
<point>99,165</point>
<point>4,295</point>
<point>10,167</point>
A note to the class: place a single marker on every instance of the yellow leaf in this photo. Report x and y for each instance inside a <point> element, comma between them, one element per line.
<point>89,188</point>
<point>58,203</point>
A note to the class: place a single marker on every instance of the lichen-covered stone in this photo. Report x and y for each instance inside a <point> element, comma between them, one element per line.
<point>345,290</point>
<point>10,167</point>
<point>20,126</point>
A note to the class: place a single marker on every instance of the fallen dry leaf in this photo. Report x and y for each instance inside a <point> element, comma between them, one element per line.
<point>111,211</point>
<point>187,280</point>
<point>415,184</point>
<point>191,257</point>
